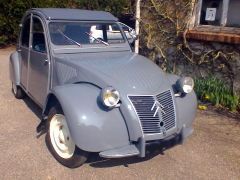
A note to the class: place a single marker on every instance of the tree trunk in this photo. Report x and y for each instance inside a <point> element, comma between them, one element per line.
<point>137,29</point>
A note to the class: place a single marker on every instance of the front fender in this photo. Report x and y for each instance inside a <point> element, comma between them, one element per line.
<point>186,106</point>
<point>92,127</point>
<point>186,109</point>
<point>14,68</point>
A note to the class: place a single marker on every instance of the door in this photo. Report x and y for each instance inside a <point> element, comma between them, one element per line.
<point>38,63</point>
<point>24,51</point>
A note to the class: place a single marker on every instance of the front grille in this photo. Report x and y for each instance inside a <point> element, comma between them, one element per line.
<point>153,120</point>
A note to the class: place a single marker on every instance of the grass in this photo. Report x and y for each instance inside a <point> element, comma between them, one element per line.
<point>215,91</point>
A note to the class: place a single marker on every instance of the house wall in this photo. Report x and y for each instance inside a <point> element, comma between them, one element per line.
<point>163,25</point>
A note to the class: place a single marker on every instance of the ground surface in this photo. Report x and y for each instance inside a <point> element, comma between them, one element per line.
<point>212,152</point>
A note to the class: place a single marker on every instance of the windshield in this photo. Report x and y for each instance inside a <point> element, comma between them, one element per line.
<point>85,33</point>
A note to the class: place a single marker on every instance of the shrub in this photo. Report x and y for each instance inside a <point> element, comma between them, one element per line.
<point>215,91</point>
<point>3,40</point>
<point>11,12</point>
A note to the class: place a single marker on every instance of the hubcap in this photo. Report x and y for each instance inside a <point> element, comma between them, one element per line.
<point>60,137</point>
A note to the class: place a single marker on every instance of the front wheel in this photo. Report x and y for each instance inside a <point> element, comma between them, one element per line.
<point>60,143</point>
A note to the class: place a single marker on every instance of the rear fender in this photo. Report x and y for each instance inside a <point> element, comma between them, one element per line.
<point>14,68</point>
<point>92,127</point>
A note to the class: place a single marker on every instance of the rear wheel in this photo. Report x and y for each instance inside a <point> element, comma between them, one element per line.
<point>60,143</point>
<point>17,91</point>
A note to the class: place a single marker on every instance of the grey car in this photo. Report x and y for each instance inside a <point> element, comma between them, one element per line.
<point>96,96</point>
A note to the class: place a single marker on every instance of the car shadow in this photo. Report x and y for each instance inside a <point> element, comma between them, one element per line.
<point>33,107</point>
<point>40,128</point>
<point>152,151</point>
<point>98,162</point>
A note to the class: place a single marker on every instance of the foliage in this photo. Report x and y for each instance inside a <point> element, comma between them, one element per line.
<point>12,11</point>
<point>117,7</point>
<point>162,23</point>
<point>213,90</point>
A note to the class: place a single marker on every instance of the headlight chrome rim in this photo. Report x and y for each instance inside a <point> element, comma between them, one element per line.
<point>110,97</point>
<point>185,85</point>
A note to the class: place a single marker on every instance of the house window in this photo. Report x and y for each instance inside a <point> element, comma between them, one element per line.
<point>216,20</point>
<point>220,13</point>
<point>211,12</point>
<point>233,15</point>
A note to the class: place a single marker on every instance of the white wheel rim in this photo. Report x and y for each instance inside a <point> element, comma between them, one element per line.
<point>60,137</point>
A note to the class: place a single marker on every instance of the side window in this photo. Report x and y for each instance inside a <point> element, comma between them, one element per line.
<point>38,39</point>
<point>125,28</point>
<point>115,27</point>
<point>101,27</point>
<point>25,33</point>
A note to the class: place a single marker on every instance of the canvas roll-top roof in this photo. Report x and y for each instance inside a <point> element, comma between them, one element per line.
<point>74,14</point>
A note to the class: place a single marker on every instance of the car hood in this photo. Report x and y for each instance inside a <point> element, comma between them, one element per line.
<point>126,71</point>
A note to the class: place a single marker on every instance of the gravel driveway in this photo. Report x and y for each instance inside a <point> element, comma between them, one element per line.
<point>212,152</point>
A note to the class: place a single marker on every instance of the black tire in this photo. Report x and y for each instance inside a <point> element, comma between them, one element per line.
<point>18,91</point>
<point>79,156</point>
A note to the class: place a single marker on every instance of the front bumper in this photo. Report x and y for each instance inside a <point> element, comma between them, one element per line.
<point>139,148</point>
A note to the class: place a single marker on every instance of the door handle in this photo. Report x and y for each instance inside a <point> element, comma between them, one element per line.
<point>19,50</point>
<point>45,61</point>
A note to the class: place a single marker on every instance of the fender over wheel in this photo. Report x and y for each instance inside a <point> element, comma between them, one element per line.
<point>60,143</point>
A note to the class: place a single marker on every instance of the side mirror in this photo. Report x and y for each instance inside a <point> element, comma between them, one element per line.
<point>133,35</point>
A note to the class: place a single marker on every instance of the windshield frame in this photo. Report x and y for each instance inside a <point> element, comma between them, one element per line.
<point>96,46</point>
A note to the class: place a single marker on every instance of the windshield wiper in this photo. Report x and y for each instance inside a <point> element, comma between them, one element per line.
<point>69,39</point>
<point>99,40</point>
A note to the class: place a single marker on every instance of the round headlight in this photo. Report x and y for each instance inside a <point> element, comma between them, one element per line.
<point>110,96</point>
<point>186,84</point>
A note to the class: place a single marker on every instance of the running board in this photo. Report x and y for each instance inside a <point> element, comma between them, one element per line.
<point>125,151</point>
